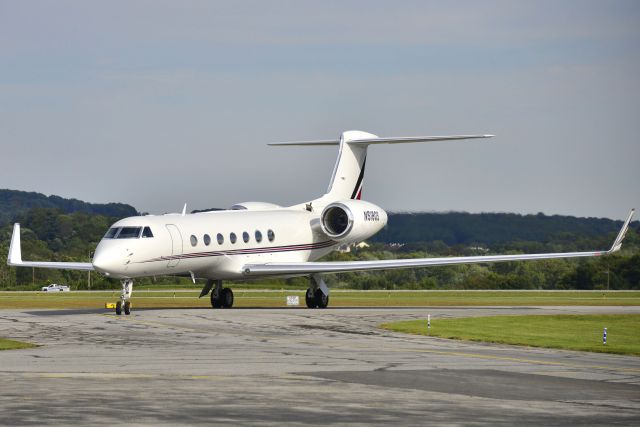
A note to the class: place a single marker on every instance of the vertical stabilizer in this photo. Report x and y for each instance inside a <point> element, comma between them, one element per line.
<point>348,173</point>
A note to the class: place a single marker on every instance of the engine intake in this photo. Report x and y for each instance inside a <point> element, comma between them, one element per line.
<point>337,220</point>
<point>352,220</point>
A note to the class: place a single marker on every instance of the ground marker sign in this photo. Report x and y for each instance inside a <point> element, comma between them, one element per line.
<point>293,300</point>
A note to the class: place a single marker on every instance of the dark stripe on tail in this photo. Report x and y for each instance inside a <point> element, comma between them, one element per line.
<point>360,177</point>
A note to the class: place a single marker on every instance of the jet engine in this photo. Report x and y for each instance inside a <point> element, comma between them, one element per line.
<point>352,220</point>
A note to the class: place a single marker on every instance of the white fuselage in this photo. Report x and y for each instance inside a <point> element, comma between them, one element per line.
<point>180,245</point>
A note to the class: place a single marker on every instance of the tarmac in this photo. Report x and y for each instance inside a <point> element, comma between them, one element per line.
<point>299,366</point>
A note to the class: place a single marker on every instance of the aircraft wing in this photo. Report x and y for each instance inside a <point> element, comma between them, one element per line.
<point>14,258</point>
<point>301,268</point>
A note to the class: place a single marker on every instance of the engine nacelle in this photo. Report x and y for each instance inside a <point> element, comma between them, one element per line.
<point>352,220</point>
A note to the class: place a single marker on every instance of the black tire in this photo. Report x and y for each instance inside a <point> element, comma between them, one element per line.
<point>322,300</point>
<point>227,298</point>
<point>216,302</point>
<point>127,307</point>
<point>119,308</point>
<point>310,299</point>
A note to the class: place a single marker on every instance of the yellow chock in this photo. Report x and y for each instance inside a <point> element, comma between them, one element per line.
<point>110,305</point>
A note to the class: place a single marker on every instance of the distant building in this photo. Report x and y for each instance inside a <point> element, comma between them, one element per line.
<point>346,248</point>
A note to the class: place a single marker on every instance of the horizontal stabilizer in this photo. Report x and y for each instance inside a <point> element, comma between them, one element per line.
<point>405,140</point>
<point>389,140</point>
<point>303,143</point>
<point>15,257</point>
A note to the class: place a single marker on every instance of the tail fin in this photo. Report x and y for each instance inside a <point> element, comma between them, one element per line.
<point>348,172</point>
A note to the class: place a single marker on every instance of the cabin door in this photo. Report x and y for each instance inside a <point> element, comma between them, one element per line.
<point>176,244</point>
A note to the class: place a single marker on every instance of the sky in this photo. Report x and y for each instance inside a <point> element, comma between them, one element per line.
<point>161,103</point>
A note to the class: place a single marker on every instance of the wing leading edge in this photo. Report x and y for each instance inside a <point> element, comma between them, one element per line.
<point>14,258</point>
<point>301,268</point>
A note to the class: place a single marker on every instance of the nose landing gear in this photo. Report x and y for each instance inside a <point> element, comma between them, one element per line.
<point>125,296</point>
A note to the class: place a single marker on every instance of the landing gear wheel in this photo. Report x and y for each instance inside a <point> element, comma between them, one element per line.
<point>119,308</point>
<point>227,298</point>
<point>322,300</point>
<point>310,298</point>
<point>216,302</point>
<point>127,307</point>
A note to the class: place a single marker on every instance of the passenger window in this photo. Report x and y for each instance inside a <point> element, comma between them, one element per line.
<point>129,233</point>
<point>232,237</point>
<point>111,233</point>
<point>220,239</point>
<point>147,232</point>
<point>258,236</point>
<point>271,235</point>
<point>245,237</point>
<point>194,240</point>
<point>206,239</point>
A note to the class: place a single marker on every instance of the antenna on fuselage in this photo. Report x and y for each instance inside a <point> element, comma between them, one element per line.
<point>184,210</point>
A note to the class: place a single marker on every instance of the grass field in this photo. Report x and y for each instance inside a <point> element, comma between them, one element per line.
<point>6,344</point>
<point>569,332</point>
<point>270,298</point>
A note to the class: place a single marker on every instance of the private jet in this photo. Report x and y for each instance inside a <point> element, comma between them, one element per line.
<point>254,240</point>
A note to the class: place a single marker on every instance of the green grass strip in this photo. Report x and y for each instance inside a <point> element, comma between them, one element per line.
<point>568,332</point>
<point>6,344</point>
<point>339,298</point>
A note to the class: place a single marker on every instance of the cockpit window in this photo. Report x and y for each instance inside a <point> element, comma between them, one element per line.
<point>147,232</point>
<point>129,233</point>
<point>111,233</point>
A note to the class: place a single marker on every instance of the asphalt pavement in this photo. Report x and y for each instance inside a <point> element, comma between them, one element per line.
<point>299,366</point>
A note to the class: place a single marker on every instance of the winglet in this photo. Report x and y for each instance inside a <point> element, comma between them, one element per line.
<point>15,253</point>
<point>617,244</point>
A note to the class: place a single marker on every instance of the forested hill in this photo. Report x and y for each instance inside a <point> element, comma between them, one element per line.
<point>15,203</point>
<point>461,228</point>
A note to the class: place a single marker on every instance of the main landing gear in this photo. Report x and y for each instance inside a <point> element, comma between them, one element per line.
<point>125,296</point>
<point>220,297</point>
<point>317,295</point>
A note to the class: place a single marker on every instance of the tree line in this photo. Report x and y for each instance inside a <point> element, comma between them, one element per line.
<point>54,234</point>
